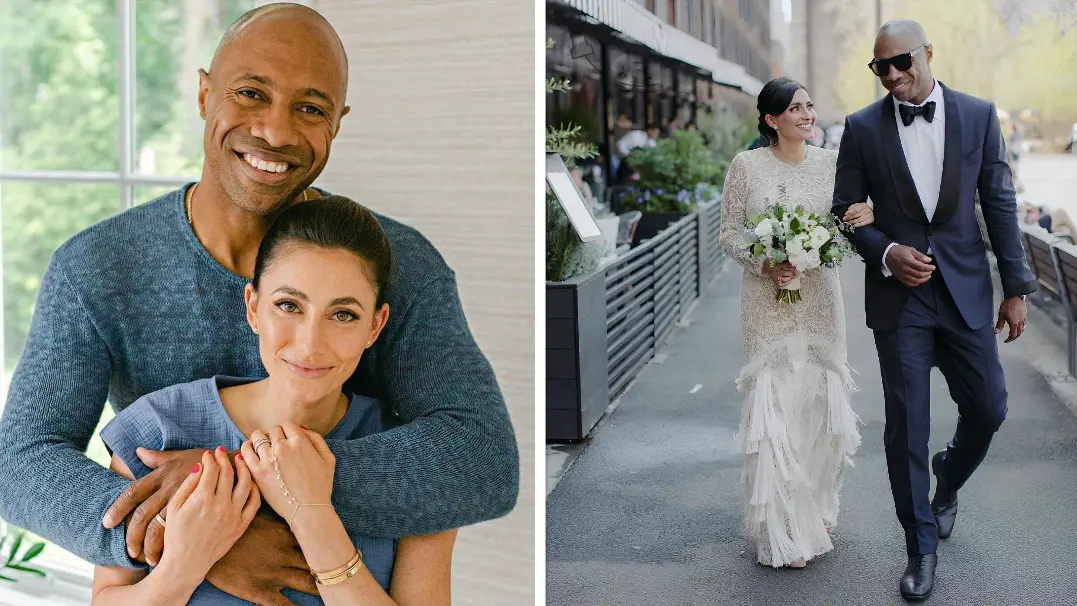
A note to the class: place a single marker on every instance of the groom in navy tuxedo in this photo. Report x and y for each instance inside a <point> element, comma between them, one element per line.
<point>922,154</point>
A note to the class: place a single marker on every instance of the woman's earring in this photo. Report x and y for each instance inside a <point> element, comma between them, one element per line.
<point>255,329</point>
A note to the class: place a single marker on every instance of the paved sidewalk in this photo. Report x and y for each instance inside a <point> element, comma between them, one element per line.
<point>650,511</point>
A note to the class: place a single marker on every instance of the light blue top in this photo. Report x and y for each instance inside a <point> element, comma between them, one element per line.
<point>192,415</point>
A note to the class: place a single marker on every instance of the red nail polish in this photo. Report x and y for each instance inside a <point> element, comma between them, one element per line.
<point>196,468</point>
<point>304,427</point>
<point>220,449</point>
<point>239,457</point>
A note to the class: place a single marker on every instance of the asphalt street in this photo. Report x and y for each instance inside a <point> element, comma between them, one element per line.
<point>650,511</point>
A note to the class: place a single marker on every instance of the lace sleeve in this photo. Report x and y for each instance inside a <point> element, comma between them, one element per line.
<point>735,216</point>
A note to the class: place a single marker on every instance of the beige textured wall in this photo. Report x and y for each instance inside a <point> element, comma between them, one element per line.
<point>442,136</point>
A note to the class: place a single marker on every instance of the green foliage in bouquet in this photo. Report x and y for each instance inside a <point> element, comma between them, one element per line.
<point>566,254</point>
<point>670,173</point>
<point>16,562</point>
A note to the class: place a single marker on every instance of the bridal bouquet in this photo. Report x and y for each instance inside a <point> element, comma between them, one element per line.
<point>806,240</point>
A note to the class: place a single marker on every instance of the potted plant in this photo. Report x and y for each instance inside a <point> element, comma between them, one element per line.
<point>673,178</point>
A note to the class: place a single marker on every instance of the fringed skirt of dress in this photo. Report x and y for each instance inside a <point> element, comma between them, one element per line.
<point>798,430</point>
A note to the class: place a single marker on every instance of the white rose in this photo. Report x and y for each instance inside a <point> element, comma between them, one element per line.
<point>813,259</point>
<point>819,236</point>
<point>764,229</point>
<point>799,259</point>
<point>794,245</point>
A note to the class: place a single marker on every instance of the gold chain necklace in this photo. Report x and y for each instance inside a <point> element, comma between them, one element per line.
<point>190,199</point>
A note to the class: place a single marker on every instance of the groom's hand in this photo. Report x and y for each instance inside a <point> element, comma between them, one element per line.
<point>280,563</point>
<point>1012,312</point>
<point>148,496</point>
<point>910,266</point>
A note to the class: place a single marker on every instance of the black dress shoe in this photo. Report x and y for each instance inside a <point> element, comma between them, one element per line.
<point>919,577</point>
<point>944,505</point>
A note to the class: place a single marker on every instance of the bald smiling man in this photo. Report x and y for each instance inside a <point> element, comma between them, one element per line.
<point>923,154</point>
<point>153,297</point>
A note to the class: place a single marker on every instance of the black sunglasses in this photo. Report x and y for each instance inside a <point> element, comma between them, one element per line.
<point>881,67</point>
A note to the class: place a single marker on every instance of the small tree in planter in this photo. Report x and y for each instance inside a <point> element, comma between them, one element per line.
<point>726,134</point>
<point>566,254</point>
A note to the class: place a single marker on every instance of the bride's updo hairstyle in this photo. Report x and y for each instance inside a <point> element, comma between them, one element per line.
<point>773,100</point>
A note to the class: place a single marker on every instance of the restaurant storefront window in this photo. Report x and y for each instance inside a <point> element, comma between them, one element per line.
<point>686,98</point>
<point>579,59</point>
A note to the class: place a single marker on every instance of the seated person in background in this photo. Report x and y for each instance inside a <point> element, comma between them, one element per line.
<point>1063,226</point>
<point>637,138</point>
<point>1044,219</point>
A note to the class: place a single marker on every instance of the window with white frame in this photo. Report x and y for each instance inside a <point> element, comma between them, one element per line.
<point>98,113</point>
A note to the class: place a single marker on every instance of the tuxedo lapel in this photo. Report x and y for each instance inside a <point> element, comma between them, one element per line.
<point>950,188</point>
<point>899,167</point>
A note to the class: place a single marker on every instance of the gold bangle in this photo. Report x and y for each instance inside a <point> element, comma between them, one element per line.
<point>340,574</point>
<point>332,573</point>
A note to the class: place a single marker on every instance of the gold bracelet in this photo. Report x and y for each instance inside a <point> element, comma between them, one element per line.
<point>341,570</point>
<point>342,574</point>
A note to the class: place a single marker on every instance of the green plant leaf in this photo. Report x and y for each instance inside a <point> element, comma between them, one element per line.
<point>15,547</point>
<point>33,552</point>
<point>27,569</point>
<point>758,249</point>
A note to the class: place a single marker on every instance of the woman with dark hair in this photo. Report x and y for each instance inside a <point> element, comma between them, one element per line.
<point>797,427</point>
<point>316,304</point>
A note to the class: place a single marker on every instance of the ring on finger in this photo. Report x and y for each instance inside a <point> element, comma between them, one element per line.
<point>260,441</point>
<point>159,519</point>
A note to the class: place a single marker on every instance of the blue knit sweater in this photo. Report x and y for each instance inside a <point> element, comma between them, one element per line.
<point>135,303</point>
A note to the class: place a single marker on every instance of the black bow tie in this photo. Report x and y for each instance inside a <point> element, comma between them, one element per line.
<point>909,112</point>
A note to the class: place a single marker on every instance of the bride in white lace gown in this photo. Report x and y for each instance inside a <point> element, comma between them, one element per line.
<point>797,428</point>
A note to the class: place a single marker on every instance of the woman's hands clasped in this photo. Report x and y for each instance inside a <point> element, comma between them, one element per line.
<point>304,463</point>
<point>782,273</point>
<point>208,513</point>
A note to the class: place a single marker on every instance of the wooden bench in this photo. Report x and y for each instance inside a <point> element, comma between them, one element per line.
<point>1066,258</point>
<point>1042,259</point>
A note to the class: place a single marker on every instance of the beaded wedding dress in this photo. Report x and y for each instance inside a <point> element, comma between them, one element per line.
<point>797,428</point>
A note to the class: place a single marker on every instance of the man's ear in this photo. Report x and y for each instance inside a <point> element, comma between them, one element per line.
<point>929,50</point>
<point>203,92</point>
<point>340,120</point>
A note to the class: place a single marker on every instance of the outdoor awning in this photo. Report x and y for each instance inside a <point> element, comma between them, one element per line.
<point>641,25</point>
<point>627,18</point>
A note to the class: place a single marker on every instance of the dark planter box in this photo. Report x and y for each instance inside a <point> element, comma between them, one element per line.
<point>651,224</point>
<point>603,328</point>
<point>577,386</point>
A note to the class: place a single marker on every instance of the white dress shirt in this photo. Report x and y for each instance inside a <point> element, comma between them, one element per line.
<point>924,145</point>
<point>632,140</point>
